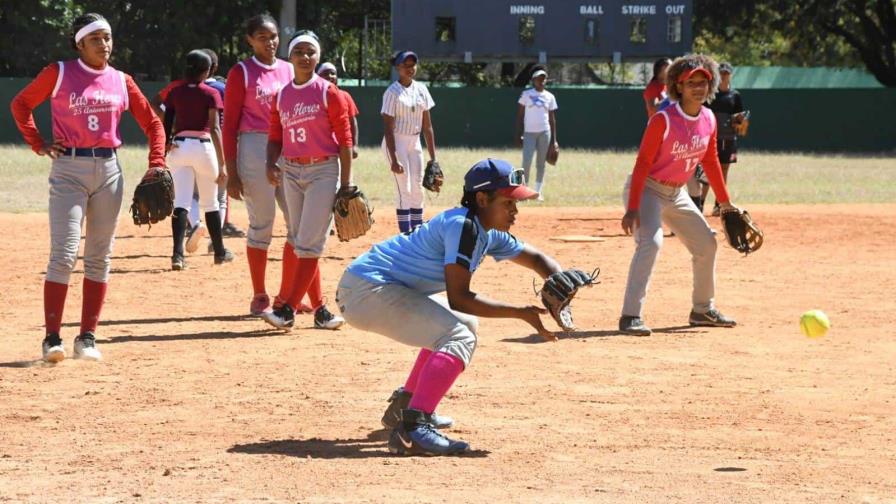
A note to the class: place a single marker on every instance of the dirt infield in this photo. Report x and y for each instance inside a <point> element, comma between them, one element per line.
<point>197,402</point>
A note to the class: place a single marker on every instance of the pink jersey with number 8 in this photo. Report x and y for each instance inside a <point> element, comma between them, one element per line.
<point>87,105</point>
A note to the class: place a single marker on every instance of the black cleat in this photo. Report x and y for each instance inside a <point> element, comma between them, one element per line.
<point>415,435</point>
<point>400,400</point>
<point>633,326</point>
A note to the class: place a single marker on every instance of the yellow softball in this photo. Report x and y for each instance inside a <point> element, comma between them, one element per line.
<point>814,323</point>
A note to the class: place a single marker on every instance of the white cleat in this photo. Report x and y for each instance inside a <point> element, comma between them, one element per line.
<point>53,349</point>
<point>85,348</point>
<point>323,319</point>
<point>281,318</point>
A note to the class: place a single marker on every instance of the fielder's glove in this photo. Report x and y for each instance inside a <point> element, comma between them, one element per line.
<point>433,177</point>
<point>553,155</point>
<point>352,213</point>
<point>558,291</point>
<point>153,198</point>
<point>741,232</point>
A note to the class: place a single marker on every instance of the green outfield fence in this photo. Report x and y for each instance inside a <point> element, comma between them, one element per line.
<point>811,120</point>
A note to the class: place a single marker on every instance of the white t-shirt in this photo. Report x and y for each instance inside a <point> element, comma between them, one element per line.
<point>537,107</point>
<point>406,105</point>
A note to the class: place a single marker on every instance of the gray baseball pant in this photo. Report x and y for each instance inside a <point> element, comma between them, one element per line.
<point>407,316</point>
<point>310,191</point>
<point>672,205</point>
<point>83,190</point>
<point>261,198</point>
<point>535,143</point>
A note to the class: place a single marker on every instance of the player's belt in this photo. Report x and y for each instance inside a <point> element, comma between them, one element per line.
<point>307,159</point>
<point>94,152</point>
<point>667,183</point>
<point>203,140</point>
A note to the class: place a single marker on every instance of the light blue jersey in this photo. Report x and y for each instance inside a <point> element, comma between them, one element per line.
<point>417,259</point>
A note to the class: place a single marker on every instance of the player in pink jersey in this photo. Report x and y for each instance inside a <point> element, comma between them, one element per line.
<point>252,85</point>
<point>311,128</point>
<point>87,99</point>
<point>677,138</point>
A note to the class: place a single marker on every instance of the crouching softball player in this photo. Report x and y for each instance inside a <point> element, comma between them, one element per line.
<point>677,138</point>
<point>391,290</point>
<point>87,99</point>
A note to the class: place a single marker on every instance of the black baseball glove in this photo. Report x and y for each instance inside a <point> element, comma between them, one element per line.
<point>433,177</point>
<point>153,198</point>
<point>558,291</point>
<point>741,232</point>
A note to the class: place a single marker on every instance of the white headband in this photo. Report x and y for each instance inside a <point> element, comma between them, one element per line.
<point>326,66</point>
<point>539,73</point>
<point>303,38</point>
<point>100,24</point>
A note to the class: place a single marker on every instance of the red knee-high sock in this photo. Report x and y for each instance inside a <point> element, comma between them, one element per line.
<point>258,261</point>
<point>315,296</point>
<point>54,304</point>
<point>411,384</point>
<point>436,377</point>
<point>304,275</point>
<point>290,263</point>
<point>94,295</point>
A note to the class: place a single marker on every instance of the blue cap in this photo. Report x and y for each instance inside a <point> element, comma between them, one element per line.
<point>403,55</point>
<point>498,175</point>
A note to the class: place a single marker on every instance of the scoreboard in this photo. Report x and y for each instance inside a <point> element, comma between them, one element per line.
<point>502,30</point>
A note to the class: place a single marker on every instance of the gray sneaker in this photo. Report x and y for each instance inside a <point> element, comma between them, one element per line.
<point>712,318</point>
<point>633,326</point>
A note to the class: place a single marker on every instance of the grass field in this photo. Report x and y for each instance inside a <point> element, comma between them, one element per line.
<point>582,178</point>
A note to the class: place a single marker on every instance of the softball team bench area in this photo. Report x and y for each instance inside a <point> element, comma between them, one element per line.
<point>285,136</point>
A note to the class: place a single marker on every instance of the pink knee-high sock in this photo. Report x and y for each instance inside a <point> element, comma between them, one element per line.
<point>411,384</point>
<point>436,377</point>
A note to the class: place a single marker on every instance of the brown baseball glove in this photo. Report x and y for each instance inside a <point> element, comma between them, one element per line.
<point>352,213</point>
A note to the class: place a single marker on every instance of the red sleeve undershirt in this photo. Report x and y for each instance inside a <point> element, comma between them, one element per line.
<point>275,130</point>
<point>149,122</point>
<point>650,145</point>
<point>352,108</point>
<point>234,94</point>
<point>28,99</point>
<point>337,110</point>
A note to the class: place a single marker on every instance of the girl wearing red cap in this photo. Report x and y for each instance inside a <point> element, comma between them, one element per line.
<point>677,138</point>
<point>87,99</point>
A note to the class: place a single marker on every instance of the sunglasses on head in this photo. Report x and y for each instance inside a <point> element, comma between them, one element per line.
<point>515,178</point>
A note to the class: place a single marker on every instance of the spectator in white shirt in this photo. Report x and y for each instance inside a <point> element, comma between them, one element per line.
<point>536,127</point>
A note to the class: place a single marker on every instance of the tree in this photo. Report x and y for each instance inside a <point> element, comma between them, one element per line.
<point>809,33</point>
